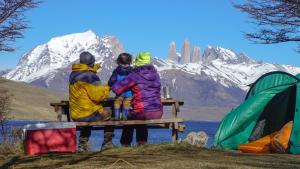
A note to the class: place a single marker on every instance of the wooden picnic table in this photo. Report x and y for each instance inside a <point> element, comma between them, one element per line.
<point>174,123</point>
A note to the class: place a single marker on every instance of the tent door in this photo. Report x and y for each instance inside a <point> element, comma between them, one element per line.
<point>276,114</point>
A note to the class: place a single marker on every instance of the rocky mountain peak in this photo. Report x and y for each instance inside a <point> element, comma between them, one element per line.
<point>196,55</point>
<point>114,43</point>
<point>224,55</point>
<point>172,52</point>
<point>185,52</point>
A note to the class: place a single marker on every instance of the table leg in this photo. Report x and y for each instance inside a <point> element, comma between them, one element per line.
<point>59,113</point>
<point>175,109</point>
<point>175,133</point>
<point>66,111</point>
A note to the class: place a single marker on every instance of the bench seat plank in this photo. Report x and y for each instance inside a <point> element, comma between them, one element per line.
<point>181,127</point>
<point>129,122</point>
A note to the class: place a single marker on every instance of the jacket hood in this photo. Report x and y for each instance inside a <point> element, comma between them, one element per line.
<point>148,72</point>
<point>121,70</point>
<point>84,67</point>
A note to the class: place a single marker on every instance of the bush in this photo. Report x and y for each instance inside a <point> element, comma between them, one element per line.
<point>13,144</point>
<point>5,101</point>
<point>9,148</point>
<point>10,139</point>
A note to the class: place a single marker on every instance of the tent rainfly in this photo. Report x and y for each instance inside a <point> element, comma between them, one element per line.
<point>272,101</point>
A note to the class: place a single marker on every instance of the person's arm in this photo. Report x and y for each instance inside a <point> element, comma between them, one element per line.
<point>123,85</point>
<point>96,93</point>
<point>112,79</point>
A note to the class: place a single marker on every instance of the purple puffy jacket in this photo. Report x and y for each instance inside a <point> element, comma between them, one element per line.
<point>145,84</point>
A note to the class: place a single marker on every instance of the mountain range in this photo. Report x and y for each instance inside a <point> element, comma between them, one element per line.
<point>210,84</point>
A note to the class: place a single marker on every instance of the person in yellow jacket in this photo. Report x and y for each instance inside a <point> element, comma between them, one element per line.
<point>86,94</point>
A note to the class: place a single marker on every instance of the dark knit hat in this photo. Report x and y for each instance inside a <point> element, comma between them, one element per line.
<point>87,58</point>
<point>124,58</point>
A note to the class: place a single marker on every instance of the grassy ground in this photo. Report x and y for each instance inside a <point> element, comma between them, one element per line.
<point>153,157</point>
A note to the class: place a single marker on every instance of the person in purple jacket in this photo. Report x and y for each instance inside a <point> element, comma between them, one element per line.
<point>144,82</point>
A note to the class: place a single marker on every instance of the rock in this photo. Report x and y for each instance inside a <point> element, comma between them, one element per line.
<point>116,45</point>
<point>196,56</point>
<point>185,53</point>
<point>197,139</point>
<point>172,55</point>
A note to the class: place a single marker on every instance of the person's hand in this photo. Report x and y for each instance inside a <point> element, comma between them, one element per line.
<point>106,115</point>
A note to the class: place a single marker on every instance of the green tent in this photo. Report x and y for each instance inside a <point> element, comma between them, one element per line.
<point>272,101</point>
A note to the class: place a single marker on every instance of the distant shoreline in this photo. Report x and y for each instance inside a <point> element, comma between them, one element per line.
<point>23,120</point>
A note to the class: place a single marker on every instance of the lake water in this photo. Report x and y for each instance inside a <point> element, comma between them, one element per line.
<point>155,135</point>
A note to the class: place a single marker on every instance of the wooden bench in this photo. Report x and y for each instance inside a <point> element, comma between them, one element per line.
<point>174,123</point>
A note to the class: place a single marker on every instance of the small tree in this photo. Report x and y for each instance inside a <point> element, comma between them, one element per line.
<point>278,21</point>
<point>13,21</point>
<point>5,101</point>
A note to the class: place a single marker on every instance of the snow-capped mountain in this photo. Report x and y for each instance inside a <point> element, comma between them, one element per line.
<point>218,80</point>
<point>60,52</point>
<point>226,67</point>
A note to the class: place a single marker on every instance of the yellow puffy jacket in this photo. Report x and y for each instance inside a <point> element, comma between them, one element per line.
<point>85,91</point>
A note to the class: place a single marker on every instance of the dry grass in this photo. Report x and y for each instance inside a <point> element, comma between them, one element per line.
<point>8,148</point>
<point>153,157</point>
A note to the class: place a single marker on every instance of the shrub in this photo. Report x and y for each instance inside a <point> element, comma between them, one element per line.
<point>10,139</point>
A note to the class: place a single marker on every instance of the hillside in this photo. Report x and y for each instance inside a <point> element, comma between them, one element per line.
<point>31,102</point>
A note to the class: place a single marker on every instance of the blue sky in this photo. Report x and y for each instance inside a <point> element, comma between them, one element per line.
<point>149,25</point>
